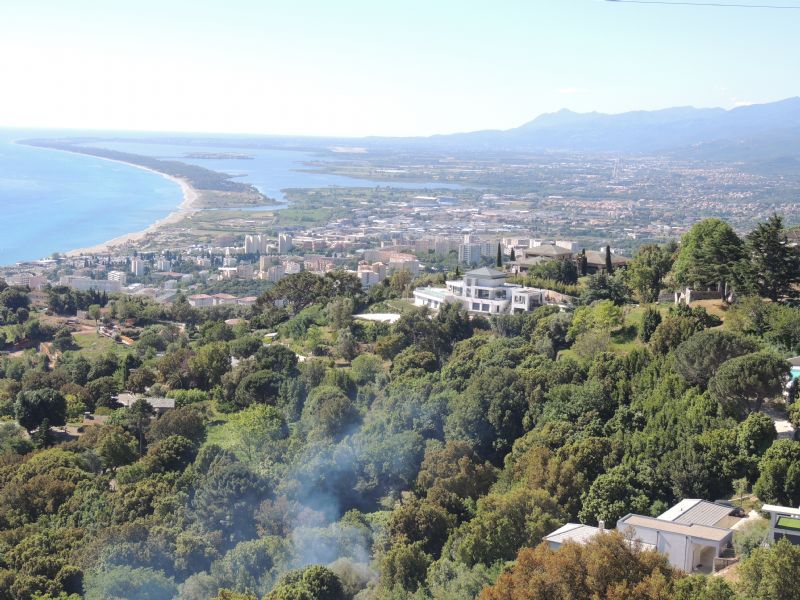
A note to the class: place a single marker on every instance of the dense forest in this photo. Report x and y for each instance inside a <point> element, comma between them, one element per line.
<point>341,459</point>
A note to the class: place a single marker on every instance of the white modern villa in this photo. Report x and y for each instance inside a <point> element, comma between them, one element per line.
<point>485,291</point>
<point>695,535</point>
<point>784,522</point>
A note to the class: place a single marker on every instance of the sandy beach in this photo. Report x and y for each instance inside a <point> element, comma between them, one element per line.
<point>187,207</point>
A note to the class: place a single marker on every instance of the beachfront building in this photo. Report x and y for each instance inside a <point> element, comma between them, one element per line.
<point>483,291</point>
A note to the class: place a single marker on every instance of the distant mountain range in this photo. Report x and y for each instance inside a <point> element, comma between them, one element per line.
<point>766,136</point>
<point>760,131</point>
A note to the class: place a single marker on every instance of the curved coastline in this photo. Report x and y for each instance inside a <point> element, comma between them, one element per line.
<point>188,206</point>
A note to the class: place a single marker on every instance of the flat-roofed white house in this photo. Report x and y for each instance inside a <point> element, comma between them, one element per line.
<point>693,534</point>
<point>159,405</point>
<point>689,547</point>
<point>483,291</point>
<point>784,522</point>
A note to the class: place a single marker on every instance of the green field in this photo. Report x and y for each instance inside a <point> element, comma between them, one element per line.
<point>93,344</point>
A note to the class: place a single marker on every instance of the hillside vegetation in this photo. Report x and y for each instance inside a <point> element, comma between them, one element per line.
<point>344,459</point>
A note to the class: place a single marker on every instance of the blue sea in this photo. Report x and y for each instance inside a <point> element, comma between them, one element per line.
<point>53,201</point>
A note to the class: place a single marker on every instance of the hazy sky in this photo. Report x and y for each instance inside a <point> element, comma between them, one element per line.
<point>343,67</point>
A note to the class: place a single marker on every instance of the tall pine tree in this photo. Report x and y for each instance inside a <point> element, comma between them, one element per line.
<point>499,255</point>
<point>772,265</point>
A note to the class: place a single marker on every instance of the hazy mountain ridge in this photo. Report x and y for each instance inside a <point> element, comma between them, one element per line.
<point>760,134</point>
<point>718,131</point>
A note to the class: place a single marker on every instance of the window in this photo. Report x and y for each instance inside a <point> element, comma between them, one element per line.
<point>485,308</point>
<point>476,306</point>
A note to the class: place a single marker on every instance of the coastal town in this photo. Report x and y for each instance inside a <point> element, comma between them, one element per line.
<point>372,253</point>
<point>230,255</point>
<point>400,300</point>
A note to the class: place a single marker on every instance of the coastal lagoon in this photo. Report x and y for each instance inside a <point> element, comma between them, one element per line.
<point>269,170</point>
<point>54,201</point>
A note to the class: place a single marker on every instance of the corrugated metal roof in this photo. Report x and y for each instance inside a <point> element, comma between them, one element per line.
<point>698,512</point>
<point>677,510</point>
<point>572,532</point>
<point>704,513</point>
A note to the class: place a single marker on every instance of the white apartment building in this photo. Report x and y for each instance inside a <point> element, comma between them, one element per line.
<point>163,264</point>
<point>274,273</point>
<point>440,246</point>
<point>284,243</point>
<point>483,291</point>
<point>35,282</point>
<point>84,284</point>
<point>120,276</point>
<point>291,266</point>
<point>412,266</point>
<point>370,275</point>
<point>254,244</point>
<point>470,253</point>
<point>137,266</point>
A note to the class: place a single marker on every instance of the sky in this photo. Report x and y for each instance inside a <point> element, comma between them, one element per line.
<point>378,67</point>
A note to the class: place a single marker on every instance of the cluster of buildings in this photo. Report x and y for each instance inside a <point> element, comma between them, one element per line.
<point>540,251</point>
<point>401,231</point>
<point>695,535</point>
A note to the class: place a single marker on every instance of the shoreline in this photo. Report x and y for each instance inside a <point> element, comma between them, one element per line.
<point>188,206</point>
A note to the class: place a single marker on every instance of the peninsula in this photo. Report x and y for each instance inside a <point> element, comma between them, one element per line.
<point>201,188</point>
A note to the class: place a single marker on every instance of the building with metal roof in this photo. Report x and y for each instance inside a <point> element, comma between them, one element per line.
<point>693,511</point>
<point>571,532</point>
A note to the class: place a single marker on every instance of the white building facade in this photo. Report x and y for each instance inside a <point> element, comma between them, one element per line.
<point>482,291</point>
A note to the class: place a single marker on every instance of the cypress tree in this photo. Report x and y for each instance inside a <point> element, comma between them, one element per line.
<point>513,255</point>
<point>582,263</point>
<point>499,255</point>
<point>609,266</point>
